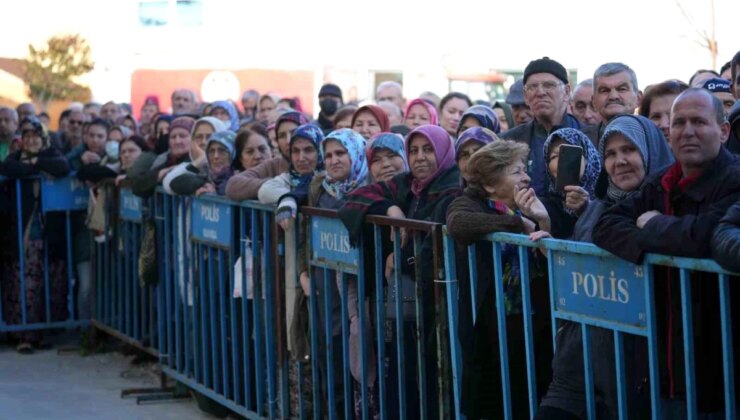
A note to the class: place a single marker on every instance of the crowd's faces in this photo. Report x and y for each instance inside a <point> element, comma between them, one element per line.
<point>92,111</point>
<point>385,165</point>
<point>74,125</point>
<point>115,135</point>
<point>182,102</point>
<point>513,178</point>
<point>110,111</point>
<point>450,114</point>
<point>25,111</point>
<point>266,105</point>
<point>129,123</point>
<point>8,123</point>
<point>218,156</point>
<point>582,107</point>
<point>726,98</point>
<point>163,128</point>
<point>129,151</point>
<point>522,114</point>
<point>32,142</point>
<point>391,94</point>
<point>200,138</point>
<point>695,135</point>
<point>64,124</point>
<point>284,132</point>
<point>44,120</point>
<point>179,142</point>
<point>702,77</point>
<point>422,159</point>
<point>502,121</point>
<point>418,115</point>
<point>660,112</point>
<point>464,156</point>
<point>95,138</point>
<point>304,156</point>
<point>366,124</point>
<point>547,97</point>
<point>221,114</point>
<point>345,122</point>
<point>614,95</point>
<point>337,160</point>
<point>623,163</point>
<point>283,104</point>
<point>255,151</point>
<point>249,104</point>
<point>469,122</point>
<point>147,112</point>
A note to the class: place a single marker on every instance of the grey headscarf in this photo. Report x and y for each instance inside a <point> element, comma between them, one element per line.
<point>649,140</point>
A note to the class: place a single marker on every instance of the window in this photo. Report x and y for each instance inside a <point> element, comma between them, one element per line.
<point>154,13</point>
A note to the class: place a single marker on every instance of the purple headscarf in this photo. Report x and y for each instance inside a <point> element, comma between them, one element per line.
<point>444,151</point>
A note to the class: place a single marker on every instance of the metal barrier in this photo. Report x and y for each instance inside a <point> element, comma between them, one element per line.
<point>56,202</point>
<point>592,288</point>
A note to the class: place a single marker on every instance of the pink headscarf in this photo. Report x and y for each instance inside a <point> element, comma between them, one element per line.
<point>444,151</point>
<point>430,108</point>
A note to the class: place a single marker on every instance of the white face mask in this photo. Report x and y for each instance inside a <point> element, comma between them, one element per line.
<point>111,149</point>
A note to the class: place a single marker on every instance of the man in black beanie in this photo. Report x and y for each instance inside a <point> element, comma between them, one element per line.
<point>330,99</point>
<point>546,92</point>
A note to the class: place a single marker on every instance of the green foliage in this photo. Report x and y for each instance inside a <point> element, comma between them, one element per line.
<point>50,71</point>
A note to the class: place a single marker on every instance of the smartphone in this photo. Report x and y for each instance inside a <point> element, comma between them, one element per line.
<point>569,166</point>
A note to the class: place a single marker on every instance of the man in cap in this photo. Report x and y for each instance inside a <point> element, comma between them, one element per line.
<point>330,99</point>
<point>720,88</point>
<point>520,110</point>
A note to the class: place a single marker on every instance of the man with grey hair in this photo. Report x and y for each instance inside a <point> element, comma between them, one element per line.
<point>184,101</point>
<point>25,110</point>
<point>249,103</point>
<point>392,92</point>
<point>395,117</point>
<point>110,111</point>
<point>71,136</point>
<point>8,127</point>
<point>615,93</point>
<point>580,103</point>
<point>92,109</point>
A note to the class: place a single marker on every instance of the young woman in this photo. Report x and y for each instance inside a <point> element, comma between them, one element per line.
<point>451,109</point>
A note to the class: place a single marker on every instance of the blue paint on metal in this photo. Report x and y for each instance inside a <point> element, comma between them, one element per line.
<point>498,291</point>
<point>527,312</point>
<point>131,206</point>
<point>330,243</point>
<point>452,300</point>
<point>211,222</point>
<point>728,362</point>
<point>688,343</point>
<point>380,324</point>
<point>61,194</point>
<point>621,375</point>
<point>588,373</point>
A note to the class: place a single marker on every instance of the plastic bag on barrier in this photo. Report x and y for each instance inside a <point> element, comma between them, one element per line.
<point>237,293</point>
<point>148,256</point>
<point>96,211</point>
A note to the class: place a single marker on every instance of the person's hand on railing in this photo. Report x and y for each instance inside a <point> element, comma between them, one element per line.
<point>576,198</point>
<point>645,218</point>
<point>389,266</point>
<point>536,236</point>
<point>207,188</point>
<point>305,283</point>
<point>89,157</point>
<point>396,213</point>
<point>286,212</point>
<point>531,206</point>
<point>529,226</point>
<point>119,179</point>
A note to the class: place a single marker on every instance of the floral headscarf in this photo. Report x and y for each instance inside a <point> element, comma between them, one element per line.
<point>593,164</point>
<point>355,146</point>
<point>485,116</point>
<point>314,135</point>
<point>443,151</point>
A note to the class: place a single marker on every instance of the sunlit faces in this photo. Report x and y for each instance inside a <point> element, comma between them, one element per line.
<point>147,112</point>
<point>32,142</point>
<point>182,102</point>
<point>201,135</point>
<point>218,156</point>
<point>284,131</point>
<point>249,104</point>
<point>385,165</point>
<point>502,121</point>
<point>95,138</point>
<point>266,105</point>
<point>179,142</point>
<point>110,111</point>
<point>695,135</point>
<point>660,112</point>
<point>255,151</point>
<point>422,159</point>
<point>221,114</point>
<point>337,160</point>
<point>129,151</point>
<point>614,95</point>
<point>418,115</point>
<point>451,114</point>
<point>513,179</point>
<point>366,124</point>
<point>547,96</point>
<point>582,107</point>
<point>623,163</point>
<point>304,156</point>
<point>464,156</point>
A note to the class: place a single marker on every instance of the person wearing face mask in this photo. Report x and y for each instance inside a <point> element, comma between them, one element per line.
<point>330,100</point>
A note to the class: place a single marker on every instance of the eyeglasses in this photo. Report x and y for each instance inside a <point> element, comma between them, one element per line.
<point>75,122</point>
<point>546,86</point>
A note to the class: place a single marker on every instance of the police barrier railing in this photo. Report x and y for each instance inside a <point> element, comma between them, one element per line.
<point>221,306</point>
<point>38,278</point>
<point>125,302</point>
<point>379,346</point>
<point>592,288</point>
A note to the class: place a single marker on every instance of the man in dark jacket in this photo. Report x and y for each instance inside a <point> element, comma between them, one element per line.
<point>547,93</point>
<point>675,214</point>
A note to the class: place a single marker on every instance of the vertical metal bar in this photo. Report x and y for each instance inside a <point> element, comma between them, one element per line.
<point>473,270</point>
<point>501,318</point>
<point>21,249</point>
<point>179,283</point>
<point>233,332</point>
<point>329,347</point>
<point>221,287</point>
<point>345,344</point>
<point>728,362</point>
<point>553,303</point>
<point>363,333</point>
<point>47,291</point>
<point>399,325</point>
<point>138,291</point>
<point>267,284</point>
<point>315,368</point>
<point>246,339</point>
<point>588,374</point>
<point>257,284</point>
<point>99,310</point>
<point>688,343</point>
<point>452,303</point>
<point>420,328</point>
<point>203,317</point>
<point>380,319</point>
<point>124,276</point>
<point>168,216</point>
<point>528,328</point>
<point>621,375</point>
<point>652,335</point>
<point>195,268</point>
<point>213,315</point>
<point>182,246</point>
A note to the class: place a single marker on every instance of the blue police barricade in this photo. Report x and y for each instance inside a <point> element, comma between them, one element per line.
<point>379,349</point>
<point>40,254</point>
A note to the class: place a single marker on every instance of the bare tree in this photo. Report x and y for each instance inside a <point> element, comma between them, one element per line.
<point>705,40</point>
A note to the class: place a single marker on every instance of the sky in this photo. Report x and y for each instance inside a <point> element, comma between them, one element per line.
<point>651,36</point>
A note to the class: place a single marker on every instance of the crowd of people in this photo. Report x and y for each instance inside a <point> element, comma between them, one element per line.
<point>658,173</point>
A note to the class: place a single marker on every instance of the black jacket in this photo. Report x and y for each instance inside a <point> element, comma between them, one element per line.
<point>726,240</point>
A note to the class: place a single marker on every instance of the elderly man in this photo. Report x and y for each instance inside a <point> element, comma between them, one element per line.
<point>519,108</point>
<point>110,111</point>
<point>184,101</point>
<point>249,103</point>
<point>395,116</point>
<point>720,88</point>
<point>580,103</point>
<point>92,109</point>
<point>546,92</point>
<point>71,136</point>
<point>25,110</point>
<point>675,213</point>
<point>8,127</point>
<point>615,93</point>
<point>392,92</point>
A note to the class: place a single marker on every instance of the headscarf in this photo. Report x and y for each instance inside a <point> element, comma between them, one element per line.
<point>355,146</point>
<point>433,119</point>
<point>36,127</point>
<point>183,122</point>
<point>225,138</point>
<point>649,140</point>
<point>481,135</point>
<point>313,134</point>
<point>388,141</point>
<point>120,120</point>
<point>485,117</point>
<point>507,112</point>
<point>231,110</point>
<point>214,122</point>
<point>592,169</point>
<point>290,116</point>
<point>443,151</point>
<point>378,113</point>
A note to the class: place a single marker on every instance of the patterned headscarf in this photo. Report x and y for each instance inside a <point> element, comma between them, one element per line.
<point>433,119</point>
<point>443,151</point>
<point>481,135</point>
<point>485,116</point>
<point>313,134</point>
<point>593,164</point>
<point>355,146</point>
<point>231,110</point>
<point>388,141</point>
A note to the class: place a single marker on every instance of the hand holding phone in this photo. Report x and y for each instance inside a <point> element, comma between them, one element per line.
<point>569,166</point>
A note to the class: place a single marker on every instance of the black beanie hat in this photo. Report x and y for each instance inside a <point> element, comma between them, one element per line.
<point>546,65</point>
<point>331,89</point>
